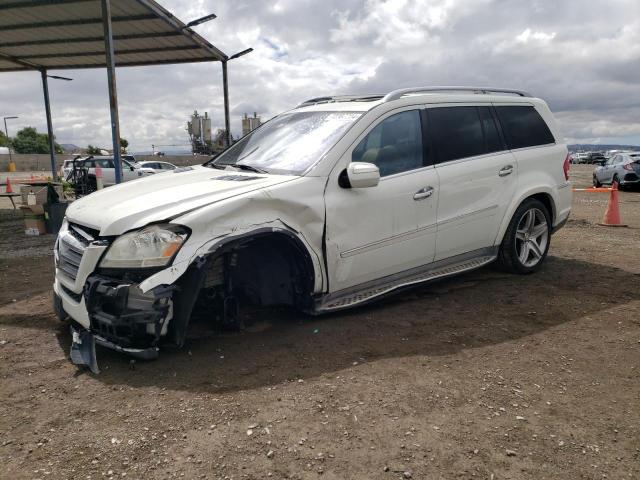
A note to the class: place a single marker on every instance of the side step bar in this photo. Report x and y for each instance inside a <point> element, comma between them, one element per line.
<point>371,290</point>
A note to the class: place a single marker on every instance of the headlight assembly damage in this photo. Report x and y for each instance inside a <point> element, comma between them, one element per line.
<point>153,246</point>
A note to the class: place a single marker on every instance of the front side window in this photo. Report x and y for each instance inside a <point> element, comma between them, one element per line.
<point>457,132</point>
<point>523,126</point>
<point>288,144</point>
<point>394,145</point>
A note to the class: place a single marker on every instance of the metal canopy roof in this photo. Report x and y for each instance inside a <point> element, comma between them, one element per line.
<point>64,34</point>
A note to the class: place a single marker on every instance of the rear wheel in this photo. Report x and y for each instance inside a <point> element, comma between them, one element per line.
<point>526,241</point>
<point>616,179</point>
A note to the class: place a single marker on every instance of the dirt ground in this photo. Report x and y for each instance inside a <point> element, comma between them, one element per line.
<point>486,375</point>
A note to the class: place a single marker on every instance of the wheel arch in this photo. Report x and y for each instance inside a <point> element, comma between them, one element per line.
<point>192,281</point>
<point>544,195</point>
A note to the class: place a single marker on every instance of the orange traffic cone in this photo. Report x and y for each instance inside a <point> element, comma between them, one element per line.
<point>612,215</point>
<point>8,188</point>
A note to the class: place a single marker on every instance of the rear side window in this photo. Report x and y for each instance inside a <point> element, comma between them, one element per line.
<point>457,132</point>
<point>493,141</point>
<point>523,126</point>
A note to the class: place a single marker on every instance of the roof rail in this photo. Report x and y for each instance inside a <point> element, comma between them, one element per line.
<point>341,98</point>
<point>396,94</point>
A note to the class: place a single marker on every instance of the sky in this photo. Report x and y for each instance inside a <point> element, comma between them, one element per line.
<point>582,57</point>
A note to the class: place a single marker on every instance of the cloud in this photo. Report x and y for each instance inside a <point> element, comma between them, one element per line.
<point>583,58</point>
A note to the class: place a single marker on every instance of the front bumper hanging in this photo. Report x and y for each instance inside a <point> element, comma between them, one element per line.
<point>122,318</point>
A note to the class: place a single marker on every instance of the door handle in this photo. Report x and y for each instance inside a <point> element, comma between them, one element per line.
<point>423,193</point>
<point>506,170</point>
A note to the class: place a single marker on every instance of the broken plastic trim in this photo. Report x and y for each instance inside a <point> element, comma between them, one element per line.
<point>120,313</point>
<point>83,349</point>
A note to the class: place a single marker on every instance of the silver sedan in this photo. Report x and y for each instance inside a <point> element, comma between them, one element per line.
<point>623,169</point>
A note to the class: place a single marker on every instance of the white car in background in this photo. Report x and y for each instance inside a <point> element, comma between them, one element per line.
<point>157,167</point>
<point>330,205</point>
<point>130,170</point>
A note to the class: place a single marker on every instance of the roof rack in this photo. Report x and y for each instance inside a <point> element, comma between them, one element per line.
<point>341,98</point>
<point>396,94</point>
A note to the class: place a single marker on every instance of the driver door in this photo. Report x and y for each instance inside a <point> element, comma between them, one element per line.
<point>379,231</point>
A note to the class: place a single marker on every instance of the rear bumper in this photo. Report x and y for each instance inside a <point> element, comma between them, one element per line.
<point>630,179</point>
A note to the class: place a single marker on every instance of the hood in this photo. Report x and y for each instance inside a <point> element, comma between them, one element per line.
<point>117,209</point>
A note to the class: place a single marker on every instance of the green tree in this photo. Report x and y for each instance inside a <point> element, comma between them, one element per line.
<point>28,140</point>
<point>91,150</point>
<point>124,144</point>
<point>4,140</point>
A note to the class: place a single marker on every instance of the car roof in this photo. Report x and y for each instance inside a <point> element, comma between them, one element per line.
<point>368,102</point>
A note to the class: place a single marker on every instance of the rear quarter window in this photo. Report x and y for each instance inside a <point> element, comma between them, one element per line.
<point>523,126</point>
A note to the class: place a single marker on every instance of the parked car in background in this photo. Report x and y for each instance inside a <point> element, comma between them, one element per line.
<point>130,169</point>
<point>578,157</point>
<point>330,205</point>
<point>622,168</point>
<point>66,167</point>
<point>158,167</point>
<point>596,158</point>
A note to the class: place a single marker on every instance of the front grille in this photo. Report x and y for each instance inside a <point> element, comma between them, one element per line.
<point>71,246</point>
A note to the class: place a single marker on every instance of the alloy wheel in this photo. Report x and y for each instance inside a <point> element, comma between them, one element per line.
<point>532,237</point>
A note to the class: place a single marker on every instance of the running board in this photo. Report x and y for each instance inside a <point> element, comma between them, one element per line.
<point>371,290</point>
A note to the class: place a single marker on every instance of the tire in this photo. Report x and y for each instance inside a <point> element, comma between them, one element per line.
<point>92,185</point>
<point>596,183</point>
<point>517,253</point>
<point>616,179</point>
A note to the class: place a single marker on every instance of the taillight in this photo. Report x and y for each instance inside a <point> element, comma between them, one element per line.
<point>565,168</point>
<point>628,166</point>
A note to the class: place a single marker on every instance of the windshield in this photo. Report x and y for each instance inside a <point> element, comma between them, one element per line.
<point>289,143</point>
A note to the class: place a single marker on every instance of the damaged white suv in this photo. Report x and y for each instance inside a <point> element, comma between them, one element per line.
<point>327,206</point>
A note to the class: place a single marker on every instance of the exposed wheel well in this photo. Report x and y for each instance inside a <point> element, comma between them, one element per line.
<point>273,268</point>
<point>265,268</point>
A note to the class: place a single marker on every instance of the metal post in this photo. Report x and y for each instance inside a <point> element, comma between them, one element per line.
<point>47,109</point>
<point>113,93</point>
<point>6,132</point>
<point>225,88</point>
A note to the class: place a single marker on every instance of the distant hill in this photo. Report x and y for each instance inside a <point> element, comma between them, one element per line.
<point>69,147</point>
<point>599,147</point>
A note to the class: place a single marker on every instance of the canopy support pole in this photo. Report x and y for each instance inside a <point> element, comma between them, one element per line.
<point>113,92</point>
<point>47,109</point>
<point>225,89</point>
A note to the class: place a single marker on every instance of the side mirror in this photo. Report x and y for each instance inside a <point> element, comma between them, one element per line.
<point>361,175</point>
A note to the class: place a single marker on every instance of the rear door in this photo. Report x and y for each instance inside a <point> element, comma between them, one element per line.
<point>379,231</point>
<point>477,175</point>
<point>606,173</point>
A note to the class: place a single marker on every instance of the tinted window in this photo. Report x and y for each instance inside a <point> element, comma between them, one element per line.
<point>493,142</point>
<point>457,132</point>
<point>394,145</point>
<point>523,127</point>
<point>103,163</point>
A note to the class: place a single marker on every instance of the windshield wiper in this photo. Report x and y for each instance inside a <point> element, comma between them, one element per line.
<point>219,166</point>
<point>250,168</point>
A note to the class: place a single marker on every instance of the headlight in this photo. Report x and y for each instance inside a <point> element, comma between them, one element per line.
<point>153,246</point>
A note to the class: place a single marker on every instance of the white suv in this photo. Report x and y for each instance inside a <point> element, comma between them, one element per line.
<point>329,205</point>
